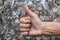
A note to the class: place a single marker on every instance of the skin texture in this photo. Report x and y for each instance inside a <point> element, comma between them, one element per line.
<point>33,26</point>
<point>51,28</point>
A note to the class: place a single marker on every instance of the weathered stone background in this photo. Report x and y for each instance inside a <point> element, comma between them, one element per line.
<point>12,10</point>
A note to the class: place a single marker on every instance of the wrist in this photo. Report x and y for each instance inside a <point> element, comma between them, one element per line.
<point>42,27</point>
<point>46,29</point>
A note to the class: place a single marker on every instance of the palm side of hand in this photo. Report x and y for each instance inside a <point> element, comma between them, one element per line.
<point>35,27</point>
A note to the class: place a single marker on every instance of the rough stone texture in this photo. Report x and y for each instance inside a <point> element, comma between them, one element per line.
<point>12,10</point>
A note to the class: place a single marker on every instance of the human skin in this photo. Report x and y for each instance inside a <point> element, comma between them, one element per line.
<point>33,26</point>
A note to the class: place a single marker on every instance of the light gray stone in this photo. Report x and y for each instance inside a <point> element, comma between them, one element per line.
<point>12,10</point>
<point>12,32</point>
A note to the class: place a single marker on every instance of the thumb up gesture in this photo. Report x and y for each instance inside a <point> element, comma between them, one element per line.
<point>30,25</point>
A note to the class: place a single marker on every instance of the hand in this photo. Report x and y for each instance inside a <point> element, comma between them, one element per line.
<point>30,25</point>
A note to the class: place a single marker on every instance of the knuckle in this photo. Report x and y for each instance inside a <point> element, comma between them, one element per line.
<point>24,29</point>
<point>24,21</point>
<point>21,19</point>
<point>24,33</point>
<point>20,25</point>
<point>25,25</point>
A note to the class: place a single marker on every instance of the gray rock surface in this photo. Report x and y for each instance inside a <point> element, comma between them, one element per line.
<point>12,10</point>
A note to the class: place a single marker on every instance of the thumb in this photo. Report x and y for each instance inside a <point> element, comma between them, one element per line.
<point>29,12</point>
